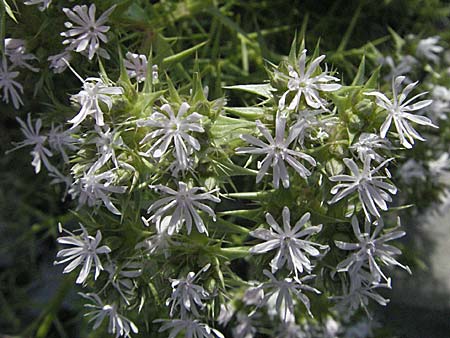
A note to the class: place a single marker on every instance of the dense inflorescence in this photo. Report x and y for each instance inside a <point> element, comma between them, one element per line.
<point>203,218</point>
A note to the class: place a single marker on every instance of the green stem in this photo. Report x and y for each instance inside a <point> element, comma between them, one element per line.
<point>225,226</point>
<point>349,30</point>
<point>234,252</point>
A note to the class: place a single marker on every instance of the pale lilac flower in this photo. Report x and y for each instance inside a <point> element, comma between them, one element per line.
<point>187,295</point>
<point>136,66</point>
<point>33,138</point>
<point>60,140</point>
<point>225,314</point>
<point>313,127</point>
<point>84,252</point>
<point>16,52</point>
<point>93,188</point>
<point>118,324</point>
<point>94,90</point>
<point>245,326</point>
<point>292,243</point>
<point>405,66</point>
<point>412,171</point>
<point>176,167</point>
<point>85,36</point>
<point>191,328</point>
<point>291,330</point>
<point>58,178</point>
<point>43,4</point>
<point>440,165</point>
<point>370,248</point>
<point>307,120</point>
<point>253,295</point>
<point>367,144</point>
<point>440,107</point>
<point>122,278</point>
<point>360,291</point>
<point>106,142</point>
<point>11,87</point>
<point>440,168</point>
<point>373,192</point>
<point>400,110</point>
<point>429,49</point>
<point>58,62</point>
<point>331,328</point>
<point>186,202</point>
<point>285,292</point>
<point>159,242</point>
<point>277,153</point>
<point>302,82</point>
<point>171,130</point>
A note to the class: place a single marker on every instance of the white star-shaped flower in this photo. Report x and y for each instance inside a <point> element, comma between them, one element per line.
<point>440,108</point>
<point>60,140</point>
<point>286,291</point>
<point>58,62</point>
<point>121,277</point>
<point>403,67</point>
<point>16,52</point>
<point>366,145</point>
<point>85,36</point>
<point>358,294</point>
<point>173,131</point>
<point>292,243</point>
<point>371,189</point>
<point>368,249</point>
<point>84,252</point>
<point>399,111</point>
<point>302,82</point>
<point>33,138</point>
<point>94,91</point>
<point>118,324</point>
<point>277,152</point>
<point>160,241</point>
<point>11,87</point>
<point>429,49</point>
<point>107,142</point>
<point>94,188</point>
<point>187,295</point>
<point>186,202</point>
<point>136,65</point>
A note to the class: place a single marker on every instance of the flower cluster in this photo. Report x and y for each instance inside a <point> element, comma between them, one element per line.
<point>186,243</point>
